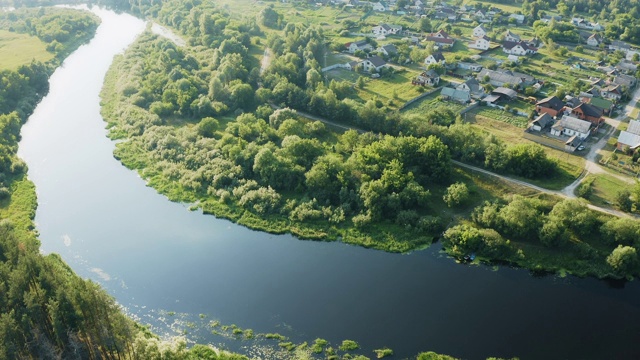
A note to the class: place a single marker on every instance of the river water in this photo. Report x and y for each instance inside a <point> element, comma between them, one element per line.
<point>156,257</point>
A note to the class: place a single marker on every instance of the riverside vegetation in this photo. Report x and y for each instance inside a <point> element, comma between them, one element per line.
<point>46,311</point>
<point>199,124</point>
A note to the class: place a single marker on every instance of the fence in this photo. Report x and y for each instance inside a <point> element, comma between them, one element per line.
<point>543,140</point>
<point>334,66</point>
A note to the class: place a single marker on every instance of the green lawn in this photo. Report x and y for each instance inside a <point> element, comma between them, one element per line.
<point>20,49</point>
<point>604,189</point>
<point>430,102</point>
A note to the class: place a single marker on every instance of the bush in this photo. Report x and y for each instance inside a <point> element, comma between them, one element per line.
<point>4,193</point>
<point>349,345</point>
<point>456,194</point>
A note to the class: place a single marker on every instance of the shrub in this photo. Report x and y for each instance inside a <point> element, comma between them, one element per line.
<point>456,194</point>
<point>349,345</point>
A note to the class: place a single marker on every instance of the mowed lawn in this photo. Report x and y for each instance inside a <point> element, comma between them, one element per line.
<point>19,49</point>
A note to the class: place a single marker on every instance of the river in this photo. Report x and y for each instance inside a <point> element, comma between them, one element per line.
<point>156,257</point>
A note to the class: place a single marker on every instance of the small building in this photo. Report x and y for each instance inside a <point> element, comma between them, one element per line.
<point>588,113</point>
<point>373,64</point>
<point>429,77</point>
<point>627,81</point>
<point>480,31</point>
<point>595,40</point>
<point>626,67</point>
<point>475,67</point>
<point>441,38</point>
<point>435,58</point>
<point>634,127</point>
<point>541,122</point>
<point>511,37</point>
<point>519,18</point>
<point>480,43</point>
<point>572,143</point>
<point>502,77</point>
<point>456,95</point>
<point>382,29</point>
<point>362,45</point>
<point>514,58</point>
<point>518,48</point>
<point>570,126</point>
<point>351,65</point>
<point>612,92</point>
<point>628,141</point>
<point>550,105</point>
<point>473,87</point>
<point>388,50</point>
<point>619,45</point>
<point>605,105</point>
<point>504,93</point>
<point>380,6</point>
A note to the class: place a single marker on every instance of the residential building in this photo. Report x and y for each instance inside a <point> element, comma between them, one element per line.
<point>588,113</point>
<point>550,105</point>
<point>502,77</point>
<point>612,92</point>
<point>628,141</point>
<point>570,126</point>
<point>351,65</point>
<point>480,43</point>
<point>382,29</point>
<point>429,77</point>
<point>373,64</point>
<point>475,67</point>
<point>505,94</point>
<point>456,95</point>
<point>518,48</point>
<point>519,18</point>
<point>435,58</point>
<point>511,37</point>
<point>474,88</point>
<point>573,143</point>
<point>626,67</point>
<point>388,50</point>
<point>595,40</point>
<point>619,45</point>
<point>603,104</point>
<point>626,81</point>
<point>362,45</point>
<point>480,31</point>
<point>380,6</point>
<point>441,38</point>
<point>541,122</point>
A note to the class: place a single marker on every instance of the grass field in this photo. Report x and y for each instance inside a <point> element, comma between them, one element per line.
<point>604,189</point>
<point>20,49</point>
<point>430,102</point>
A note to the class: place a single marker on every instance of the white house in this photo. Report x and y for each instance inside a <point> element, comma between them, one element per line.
<point>480,31</point>
<point>480,43</point>
<point>594,40</point>
<point>509,36</point>
<point>435,58</point>
<point>514,58</point>
<point>571,126</point>
<point>429,77</point>
<point>520,48</point>
<point>374,63</point>
<point>351,65</point>
<point>475,67</point>
<point>388,49</point>
<point>359,45</point>
<point>382,29</point>
<point>379,6</point>
<point>473,87</point>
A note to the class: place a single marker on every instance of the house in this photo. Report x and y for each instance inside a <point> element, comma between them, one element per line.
<point>480,31</point>
<point>351,65</point>
<point>382,29</point>
<point>570,126</point>
<point>626,67</point>
<point>473,87</point>
<point>505,94</point>
<point>380,6</point>
<point>475,67</point>
<point>511,37</point>
<point>502,77</point>
<point>627,81</point>
<point>480,15</point>
<point>605,105</point>
<point>456,95</point>
<point>612,92</point>
<point>518,48</point>
<point>628,141</point>
<point>550,105</point>
<point>634,127</point>
<point>541,122</point>
<point>588,113</point>
<point>480,43</point>
<point>514,58</point>
<point>435,58</point>
<point>362,45</point>
<point>617,45</point>
<point>388,50</point>
<point>595,40</point>
<point>519,18</point>
<point>429,77</point>
<point>373,64</point>
<point>572,143</point>
<point>441,38</point>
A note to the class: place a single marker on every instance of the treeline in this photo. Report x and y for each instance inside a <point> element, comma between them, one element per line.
<point>62,30</point>
<point>595,244</point>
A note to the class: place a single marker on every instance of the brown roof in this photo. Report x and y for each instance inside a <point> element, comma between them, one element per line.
<point>551,102</point>
<point>589,110</point>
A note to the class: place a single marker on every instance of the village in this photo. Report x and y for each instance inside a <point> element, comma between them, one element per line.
<point>498,66</point>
